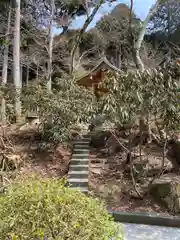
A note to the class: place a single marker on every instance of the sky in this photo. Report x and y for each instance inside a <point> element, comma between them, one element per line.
<point>141,8</point>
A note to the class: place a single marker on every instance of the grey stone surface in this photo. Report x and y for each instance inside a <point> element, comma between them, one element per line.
<point>78,175</point>
<point>78,167</point>
<point>149,232</point>
<point>78,162</point>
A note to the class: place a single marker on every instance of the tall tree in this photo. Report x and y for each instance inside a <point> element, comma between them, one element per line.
<point>5,64</point>
<point>50,49</point>
<point>136,46</point>
<point>16,59</point>
<point>114,34</point>
<point>96,6</point>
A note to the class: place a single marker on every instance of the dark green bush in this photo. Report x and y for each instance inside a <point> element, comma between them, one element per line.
<point>44,209</point>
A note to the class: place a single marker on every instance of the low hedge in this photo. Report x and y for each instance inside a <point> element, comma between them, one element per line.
<point>45,209</point>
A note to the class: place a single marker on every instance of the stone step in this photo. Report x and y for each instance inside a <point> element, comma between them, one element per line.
<point>79,151</point>
<point>79,167</point>
<point>80,146</point>
<point>78,172</point>
<point>79,159</point>
<point>80,156</point>
<point>86,137</point>
<point>79,162</point>
<point>78,175</point>
<point>76,180</point>
<point>81,142</point>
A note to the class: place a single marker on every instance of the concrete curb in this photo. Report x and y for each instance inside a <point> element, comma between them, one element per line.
<point>146,218</point>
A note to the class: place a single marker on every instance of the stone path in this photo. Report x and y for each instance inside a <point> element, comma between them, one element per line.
<point>148,232</point>
<point>79,166</point>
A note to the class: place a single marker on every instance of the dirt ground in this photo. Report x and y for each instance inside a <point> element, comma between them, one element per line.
<point>108,181</point>
<point>25,153</point>
<point>107,178</point>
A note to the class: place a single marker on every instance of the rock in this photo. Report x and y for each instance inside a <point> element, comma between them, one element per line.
<point>113,146</point>
<point>99,138</point>
<point>166,191</point>
<point>150,162</point>
<point>173,153</point>
<point>149,167</point>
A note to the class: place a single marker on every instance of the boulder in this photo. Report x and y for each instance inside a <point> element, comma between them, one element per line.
<point>150,162</point>
<point>173,153</point>
<point>150,166</point>
<point>166,191</point>
<point>114,145</point>
<point>99,138</point>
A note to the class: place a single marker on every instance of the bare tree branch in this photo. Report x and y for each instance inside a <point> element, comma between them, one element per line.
<point>5,35</point>
<point>111,65</point>
<point>83,29</point>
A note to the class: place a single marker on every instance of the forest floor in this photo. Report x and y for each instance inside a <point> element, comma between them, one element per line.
<point>25,153</point>
<point>109,182</point>
<point>110,176</point>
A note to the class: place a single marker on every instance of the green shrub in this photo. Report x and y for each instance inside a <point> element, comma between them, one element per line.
<point>44,209</point>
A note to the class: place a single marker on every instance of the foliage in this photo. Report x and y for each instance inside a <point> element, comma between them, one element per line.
<point>91,40</point>
<point>164,29</point>
<point>151,93</point>
<point>43,208</point>
<point>111,35</point>
<point>167,18</point>
<point>133,94</point>
<point>114,27</point>
<point>59,110</point>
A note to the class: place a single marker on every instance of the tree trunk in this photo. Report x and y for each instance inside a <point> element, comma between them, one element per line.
<point>137,47</point>
<point>37,72</point>
<point>5,68</point>
<point>16,61</point>
<point>81,32</point>
<point>118,59</point>
<point>27,75</point>
<point>49,82</point>
<point>21,75</point>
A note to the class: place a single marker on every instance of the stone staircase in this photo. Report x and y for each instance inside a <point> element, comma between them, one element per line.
<point>79,166</point>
